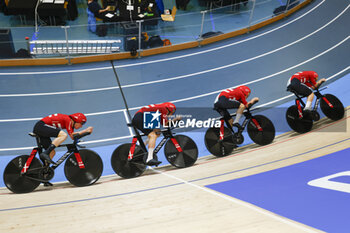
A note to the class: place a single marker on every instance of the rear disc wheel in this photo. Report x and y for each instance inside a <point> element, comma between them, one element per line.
<point>18,183</point>
<point>128,168</point>
<point>302,125</point>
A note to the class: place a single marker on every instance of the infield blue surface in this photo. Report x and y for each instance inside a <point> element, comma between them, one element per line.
<point>286,192</point>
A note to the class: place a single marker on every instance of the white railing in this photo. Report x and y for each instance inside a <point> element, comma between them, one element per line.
<point>64,47</point>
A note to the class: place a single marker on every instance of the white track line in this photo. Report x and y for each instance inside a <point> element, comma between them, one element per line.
<point>241,203</point>
<point>172,58</point>
<point>188,75</point>
<point>124,137</point>
<point>206,94</point>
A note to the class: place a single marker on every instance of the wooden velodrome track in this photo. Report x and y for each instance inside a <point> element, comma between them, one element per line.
<point>167,199</point>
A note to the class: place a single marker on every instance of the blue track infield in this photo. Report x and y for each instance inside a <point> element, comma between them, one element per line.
<point>286,192</point>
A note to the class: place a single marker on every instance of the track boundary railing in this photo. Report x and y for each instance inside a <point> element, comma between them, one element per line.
<point>148,52</point>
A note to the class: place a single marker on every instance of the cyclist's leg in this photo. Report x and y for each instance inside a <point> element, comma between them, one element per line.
<point>233,104</point>
<point>45,131</point>
<point>307,91</point>
<point>45,142</point>
<point>239,113</point>
<point>303,90</point>
<point>137,122</point>
<point>61,137</point>
<point>221,107</point>
<point>152,136</point>
<point>309,100</point>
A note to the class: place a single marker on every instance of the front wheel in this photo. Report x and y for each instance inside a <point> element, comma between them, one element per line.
<point>128,168</point>
<point>302,125</point>
<point>189,153</point>
<point>332,107</point>
<point>218,147</point>
<point>18,183</point>
<point>86,173</point>
<point>261,130</point>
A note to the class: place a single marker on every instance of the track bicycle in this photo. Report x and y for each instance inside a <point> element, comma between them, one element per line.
<point>220,141</point>
<point>24,173</point>
<point>301,121</point>
<point>128,159</point>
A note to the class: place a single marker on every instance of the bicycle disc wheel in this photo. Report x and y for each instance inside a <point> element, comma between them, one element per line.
<point>267,134</point>
<point>125,168</point>
<point>187,157</point>
<point>18,183</point>
<point>216,146</point>
<point>335,113</point>
<point>302,125</point>
<point>83,176</point>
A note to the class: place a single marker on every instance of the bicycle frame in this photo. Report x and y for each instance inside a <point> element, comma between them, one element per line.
<point>71,149</point>
<point>138,137</point>
<point>247,115</point>
<point>301,104</point>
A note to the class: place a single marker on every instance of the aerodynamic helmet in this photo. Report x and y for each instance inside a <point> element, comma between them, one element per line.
<point>78,118</point>
<point>246,90</point>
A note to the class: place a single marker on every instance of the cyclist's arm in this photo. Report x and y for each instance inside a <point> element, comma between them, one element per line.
<point>69,128</point>
<point>87,130</point>
<point>252,101</point>
<point>319,82</point>
<point>241,98</point>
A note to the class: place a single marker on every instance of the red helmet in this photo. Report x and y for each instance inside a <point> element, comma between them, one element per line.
<point>246,90</point>
<point>170,106</point>
<point>315,75</point>
<point>78,117</point>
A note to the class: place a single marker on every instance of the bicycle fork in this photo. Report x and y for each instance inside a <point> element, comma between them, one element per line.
<point>327,102</point>
<point>299,102</point>
<point>255,123</point>
<point>245,122</point>
<point>77,155</point>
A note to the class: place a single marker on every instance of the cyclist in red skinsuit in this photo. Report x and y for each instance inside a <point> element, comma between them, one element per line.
<point>52,125</point>
<point>164,110</point>
<point>303,83</point>
<point>231,99</point>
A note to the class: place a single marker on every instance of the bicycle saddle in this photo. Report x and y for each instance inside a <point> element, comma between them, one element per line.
<point>38,141</point>
<point>33,134</point>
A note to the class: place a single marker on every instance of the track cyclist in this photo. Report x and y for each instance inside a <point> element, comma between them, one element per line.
<point>303,83</point>
<point>233,99</point>
<point>164,110</point>
<point>52,125</point>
